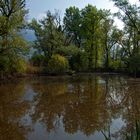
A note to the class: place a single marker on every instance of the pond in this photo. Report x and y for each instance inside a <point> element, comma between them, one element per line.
<point>81,107</point>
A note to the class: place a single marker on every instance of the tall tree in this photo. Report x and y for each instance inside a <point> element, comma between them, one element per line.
<point>49,35</point>
<point>72,24</point>
<point>12,18</point>
<point>110,38</point>
<point>91,19</point>
<point>129,14</point>
<point>12,44</point>
<point>107,26</point>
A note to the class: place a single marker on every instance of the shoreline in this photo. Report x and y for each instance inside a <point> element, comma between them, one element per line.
<point>19,76</point>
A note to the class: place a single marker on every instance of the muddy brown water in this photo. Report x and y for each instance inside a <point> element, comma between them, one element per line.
<point>81,107</point>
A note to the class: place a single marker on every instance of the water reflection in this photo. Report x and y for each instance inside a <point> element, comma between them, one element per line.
<point>11,110</point>
<point>81,107</point>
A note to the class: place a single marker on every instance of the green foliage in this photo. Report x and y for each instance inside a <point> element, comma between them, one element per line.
<point>48,33</point>
<point>72,24</point>
<point>12,16</point>
<point>134,63</point>
<point>38,60</point>
<point>19,66</point>
<point>11,65</point>
<point>129,14</point>
<point>87,40</point>
<point>57,64</point>
<point>79,62</point>
<point>116,65</point>
<point>4,64</point>
<point>12,45</point>
<point>76,56</point>
<point>68,51</point>
<point>92,18</point>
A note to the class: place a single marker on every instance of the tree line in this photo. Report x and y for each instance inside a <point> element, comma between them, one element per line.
<point>86,40</point>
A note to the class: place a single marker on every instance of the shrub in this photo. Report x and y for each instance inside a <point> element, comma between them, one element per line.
<point>57,64</point>
<point>38,60</point>
<point>4,64</point>
<point>10,65</point>
<point>134,63</point>
<point>33,69</point>
<point>76,56</point>
<point>79,62</point>
<point>117,65</point>
<point>20,65</point>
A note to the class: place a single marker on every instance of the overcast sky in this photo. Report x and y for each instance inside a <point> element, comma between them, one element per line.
<point>37,8</point>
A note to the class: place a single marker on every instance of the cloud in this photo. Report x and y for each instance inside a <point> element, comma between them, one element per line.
<point>41,16</point>
<point>134,1</point>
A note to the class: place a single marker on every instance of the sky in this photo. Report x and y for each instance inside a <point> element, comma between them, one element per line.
<point>37,8</point>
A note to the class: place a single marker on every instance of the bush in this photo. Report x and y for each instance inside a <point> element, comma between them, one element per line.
<point>117,65</point>
<point>134,64</point>
<point>79,62</point>
<point>38,60</point>
<point>76,56</point>
<point>19,66</point>
<point>4,64</point>
<point>11,65</point>
<point>34,69</point>
<point>57,64</point>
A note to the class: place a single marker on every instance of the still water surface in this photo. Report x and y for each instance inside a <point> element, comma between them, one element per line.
<point>82,107</point>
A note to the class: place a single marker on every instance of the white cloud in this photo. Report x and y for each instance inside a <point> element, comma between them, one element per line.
<point>119,23</point>
<point>134,1</point>
<point>41,16</point>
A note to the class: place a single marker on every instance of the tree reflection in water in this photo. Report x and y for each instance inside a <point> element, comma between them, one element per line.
<point>12,108</point>
<point>88,104</point>
<point>107,105</point>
